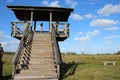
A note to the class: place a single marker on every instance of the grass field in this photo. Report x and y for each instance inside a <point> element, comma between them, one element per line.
<point>79,67</point>
<point>90,67</point>
<point>7,66</point>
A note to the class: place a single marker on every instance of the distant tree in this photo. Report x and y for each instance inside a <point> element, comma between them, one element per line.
<point>71,53</point>
<point>62,53</point>
<point>82,53</point>
<point>118,53</point>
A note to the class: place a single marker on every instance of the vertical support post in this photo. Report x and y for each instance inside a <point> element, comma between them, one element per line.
<point>50,22</point>
<point>34,25</point>
<point>14,29</point>
<point>65,29</point>
<point>31,21</point>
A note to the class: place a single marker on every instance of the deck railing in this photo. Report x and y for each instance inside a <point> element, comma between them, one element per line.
<point>17,29</point>
<point>62,29</point>
<point>21,58</point>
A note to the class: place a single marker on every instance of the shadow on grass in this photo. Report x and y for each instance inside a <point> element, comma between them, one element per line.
<point>68,69</point>
<point>8,77</point>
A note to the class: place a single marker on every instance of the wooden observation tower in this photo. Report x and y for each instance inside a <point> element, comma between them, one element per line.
<point>38,56</point>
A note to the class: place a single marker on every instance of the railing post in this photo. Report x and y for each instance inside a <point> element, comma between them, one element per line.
<point>14,29</point>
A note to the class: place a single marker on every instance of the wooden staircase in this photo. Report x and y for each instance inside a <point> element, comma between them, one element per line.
<point>41,63</point>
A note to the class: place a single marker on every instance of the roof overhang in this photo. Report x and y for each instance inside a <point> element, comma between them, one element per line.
<point>41,13</point>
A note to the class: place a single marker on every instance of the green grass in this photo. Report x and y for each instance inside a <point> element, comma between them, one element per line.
<point>90,67</point>
<point>79,67</point>
<point>7,66</point>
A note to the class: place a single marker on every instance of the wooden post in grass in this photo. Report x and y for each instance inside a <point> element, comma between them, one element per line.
<point>1,64</point>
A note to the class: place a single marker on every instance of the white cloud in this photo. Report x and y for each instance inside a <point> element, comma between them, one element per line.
<point>80,33</point>
<point>93,33</point>
<point>51,4</point>
<point>83,39</point>
<point>55,4</point>
<point>111,37</point>
<point>71,3</point>
<point>9,1</point>
<point>87,37</point>
<point>109,9</point>
<point>103,22</point>
<point>45,2</point>
<point>76,17</point>
<point>89,16</point>
<point>3,36</point>
<point>112,28</point>
<point>8,43</point>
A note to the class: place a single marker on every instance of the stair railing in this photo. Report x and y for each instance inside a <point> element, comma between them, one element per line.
<point>58,59</point>
<point>22,55</point>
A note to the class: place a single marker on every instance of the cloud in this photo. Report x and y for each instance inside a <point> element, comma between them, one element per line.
<point>112,28</point>
<point>8,43</point>
<point>3,36</point>
<point>89,16</point>
<point>109,9</point>
<point>71,3</point>
<point>88,36</point>
<point>83,38</point>
<point>9,1</point>
<point>51,4</point>
<point>111,37</point>
<point>93,33</point>
<point>108,40</point>
<point>103,22</point>
<point>45,2</point>
<point>76,17</point>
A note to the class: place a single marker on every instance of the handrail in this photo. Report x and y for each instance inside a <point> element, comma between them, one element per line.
<point>58,58</point>
<point>15,59</point>
<point>22,46</point>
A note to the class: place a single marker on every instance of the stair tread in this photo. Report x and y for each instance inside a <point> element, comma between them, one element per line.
<point>34,76</point>
<point>35,79</point>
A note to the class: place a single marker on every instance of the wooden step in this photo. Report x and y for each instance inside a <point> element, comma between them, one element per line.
<point>32,76</point>
<point>41,62</point>
<point>35,79</point>
<point>41,56</point>
<point>38,71</point>
<point>41,45</point>
<point>46,66</point>
<point>41,51</point>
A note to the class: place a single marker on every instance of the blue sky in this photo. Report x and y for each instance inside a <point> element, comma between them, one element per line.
<point>94,24</point>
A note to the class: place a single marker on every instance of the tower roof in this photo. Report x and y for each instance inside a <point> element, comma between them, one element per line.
<point>41,13</point>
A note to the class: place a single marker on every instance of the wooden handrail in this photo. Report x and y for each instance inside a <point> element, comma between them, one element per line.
<point>23,47</point>
<point>58,58</point>
<point>15,59</point>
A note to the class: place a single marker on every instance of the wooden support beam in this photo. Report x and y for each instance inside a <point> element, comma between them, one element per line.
<point>50,22</point>
<point>31,21</point>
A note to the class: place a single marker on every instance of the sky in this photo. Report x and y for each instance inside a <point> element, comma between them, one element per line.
<point>94,25</point>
